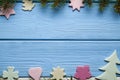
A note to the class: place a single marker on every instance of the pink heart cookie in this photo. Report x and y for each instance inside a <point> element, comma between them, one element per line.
<point>35,72</point>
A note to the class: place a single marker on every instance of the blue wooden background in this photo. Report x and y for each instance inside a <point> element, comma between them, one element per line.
<point>49,37</point>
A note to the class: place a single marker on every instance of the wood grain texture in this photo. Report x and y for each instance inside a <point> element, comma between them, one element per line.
<point>49,37</point>
<point>62,23</point>
<point>47,55</point>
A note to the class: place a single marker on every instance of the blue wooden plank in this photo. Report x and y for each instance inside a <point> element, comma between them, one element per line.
<point>48,54</point>
<point>62,23</point>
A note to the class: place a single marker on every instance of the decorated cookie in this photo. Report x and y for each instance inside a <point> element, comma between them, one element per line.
<point>35,72</point>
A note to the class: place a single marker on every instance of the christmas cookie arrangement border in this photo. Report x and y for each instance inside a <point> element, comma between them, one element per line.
<point>7,6</point>
<point>110,72</point>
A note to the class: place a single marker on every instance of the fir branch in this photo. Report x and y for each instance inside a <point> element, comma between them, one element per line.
<point>103,4</point>
<point>117,7</point>
<point>57,3</point>
<point>5,4</point>
<point>43,2</point>
<point>89,2</point>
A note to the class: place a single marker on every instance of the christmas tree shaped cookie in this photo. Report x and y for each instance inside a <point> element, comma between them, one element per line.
<point>110,70</point>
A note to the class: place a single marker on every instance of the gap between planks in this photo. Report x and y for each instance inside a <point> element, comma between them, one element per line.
<point>27,40</point>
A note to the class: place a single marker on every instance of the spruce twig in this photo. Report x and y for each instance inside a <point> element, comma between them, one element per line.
<point>89,2</point>
<point>103,4</point>
<point>5,4</point>
<point>43,2</point>
<point>117,7</point>
<point>57,3</point>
